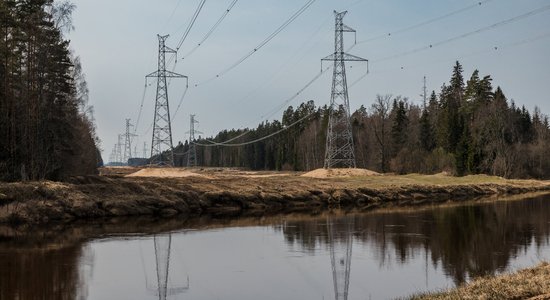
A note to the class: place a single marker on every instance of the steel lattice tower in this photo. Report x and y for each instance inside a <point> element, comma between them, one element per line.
<point>339,145</point>
<point>119,157</point>
<point>128,141</point>
<point>192,153</point>
<point>162,128</point>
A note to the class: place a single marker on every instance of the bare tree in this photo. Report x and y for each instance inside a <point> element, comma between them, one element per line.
<point>380,124</point>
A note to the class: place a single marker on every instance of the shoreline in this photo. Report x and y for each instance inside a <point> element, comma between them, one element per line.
<point>234,193</point>
<point>530,283</point>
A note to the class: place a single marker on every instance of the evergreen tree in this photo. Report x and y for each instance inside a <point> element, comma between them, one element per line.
<point>400,124</point>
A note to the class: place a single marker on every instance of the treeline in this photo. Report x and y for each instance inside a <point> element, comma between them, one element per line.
<point>46,124</point>
<point>467,128</point>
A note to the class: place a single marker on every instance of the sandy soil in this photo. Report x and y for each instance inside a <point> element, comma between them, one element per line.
<point>165,173</point>
<point>334,173</point>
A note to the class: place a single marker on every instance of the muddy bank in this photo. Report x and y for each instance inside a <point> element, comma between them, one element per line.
<point>96,197</point>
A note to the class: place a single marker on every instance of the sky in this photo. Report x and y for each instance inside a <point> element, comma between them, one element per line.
<point>118,45</point>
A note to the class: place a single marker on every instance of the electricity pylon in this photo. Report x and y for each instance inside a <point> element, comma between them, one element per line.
<point>424,93</point>
<point>162,128</point>
<point>340,243</point>
<point>339,145</point>
<point>192,153</point>
<point>112,157</point>
<point>128,141</point>
<point>119,149</point>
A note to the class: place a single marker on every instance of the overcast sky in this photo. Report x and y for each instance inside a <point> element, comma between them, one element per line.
<point>117,42</point>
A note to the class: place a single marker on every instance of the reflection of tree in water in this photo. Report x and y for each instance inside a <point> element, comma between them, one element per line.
<point>43,273</point>
<point>470,240</point>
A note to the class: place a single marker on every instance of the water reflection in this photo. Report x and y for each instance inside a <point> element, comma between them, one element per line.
<point>57,272</point>
<point>467,241</point>
<point>281,257</point>
<point>340,242</point>
<point>163,245</point>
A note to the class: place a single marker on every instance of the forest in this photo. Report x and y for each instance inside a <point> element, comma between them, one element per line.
<point>46,123</point>
<point>468,127</point>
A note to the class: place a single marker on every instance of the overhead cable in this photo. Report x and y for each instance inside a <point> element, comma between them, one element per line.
<point>492,49</point>
<point>216,25</point>
<point>141,105</point>
<point>285,128</point>
<point>458,37</point>
<point>389,34</point>
<point>193,19</point>
<point>181,101</point>
<point>271,112</point>
<point>173,12</point>
<point>264,42</point>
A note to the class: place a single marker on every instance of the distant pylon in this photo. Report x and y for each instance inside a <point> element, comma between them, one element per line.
<point>339,145</point>
<point>112,157</point>
<point>162,127</point>
<point>119,149</point>
<point>128,141</point>
<point>424,93</point>
<point>192,153</point>
<point>144,150</point>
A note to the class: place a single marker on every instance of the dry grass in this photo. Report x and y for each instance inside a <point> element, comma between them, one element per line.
<point>532,283</point>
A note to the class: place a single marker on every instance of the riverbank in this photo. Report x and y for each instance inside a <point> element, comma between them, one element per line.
<point>225,192</point>
<point>532,283</point>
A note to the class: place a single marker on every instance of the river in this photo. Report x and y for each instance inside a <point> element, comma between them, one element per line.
<point>327,255</point>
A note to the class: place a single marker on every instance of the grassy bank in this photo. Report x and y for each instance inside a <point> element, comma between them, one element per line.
<point>532,283</point>
<point>231,192</point>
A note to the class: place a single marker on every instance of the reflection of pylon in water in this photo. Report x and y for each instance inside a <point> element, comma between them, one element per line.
<point>162,256</point>
<point>340,243</point>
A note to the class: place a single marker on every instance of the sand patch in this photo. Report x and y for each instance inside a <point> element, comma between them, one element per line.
<point>265,175</point>
<point>330,173</point>
<point>165,173</point>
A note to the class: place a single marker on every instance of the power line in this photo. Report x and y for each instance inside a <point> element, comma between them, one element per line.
<point>216,25</point>
<point>292,60</point>
<point>262,43</point>
<point>492,49</point>
<point>173,13</point>
<point>389,34</point>
<point>492,26</point>
<point>278,108</point>
<point>181,101</point>
<point>141,105</point>
<point>262,138</point>
<point>193,19</point>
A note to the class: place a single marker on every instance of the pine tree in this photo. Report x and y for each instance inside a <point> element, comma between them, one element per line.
<point>400,124</point>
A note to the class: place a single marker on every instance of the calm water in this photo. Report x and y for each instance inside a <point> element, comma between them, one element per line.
<point>377,255</point>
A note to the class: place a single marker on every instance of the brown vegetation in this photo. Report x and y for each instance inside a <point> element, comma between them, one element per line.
<point>227,192</point>
<point>532,283</point>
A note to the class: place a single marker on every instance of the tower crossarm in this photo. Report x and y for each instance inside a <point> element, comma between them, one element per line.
<point>345,57</point>
<point>346,28</point>
<point>167,74</point>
